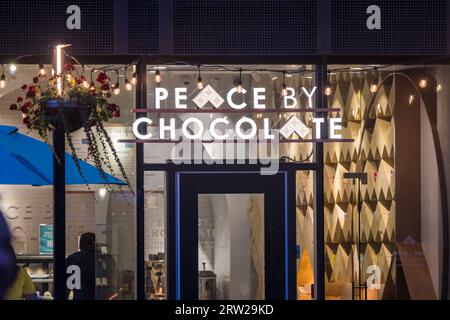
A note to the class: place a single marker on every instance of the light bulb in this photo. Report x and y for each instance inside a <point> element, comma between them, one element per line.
<point>133,79</point>
<point>157,76</point>
<point>12,67</point>
<point>199,83</point>
<point>86,84</point>
<point>328,90</point>
<point>2,81</point>
<point>92,85</point>
<point>42,70</point>
<point>69,77</point>
<point>116,89</point>
<point>128,85</point>
<point>284,91</point>
<point>423,83</point>
<point>239,88</point>
<point>373,87</point>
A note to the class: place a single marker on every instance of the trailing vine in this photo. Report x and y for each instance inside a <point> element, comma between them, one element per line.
<point>78,105</point>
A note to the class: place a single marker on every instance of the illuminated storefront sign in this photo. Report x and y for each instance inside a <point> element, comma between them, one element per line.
<point>245,128</point>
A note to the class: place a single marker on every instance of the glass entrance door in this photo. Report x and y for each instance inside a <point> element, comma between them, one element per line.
<point>231,238</point>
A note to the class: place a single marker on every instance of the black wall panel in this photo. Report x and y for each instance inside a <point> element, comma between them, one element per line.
<point>143,26</point>
<point>408,27</point>
<point>35,26</point>
<point>250,27</point>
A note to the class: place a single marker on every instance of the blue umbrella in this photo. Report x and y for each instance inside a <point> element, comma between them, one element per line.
<point>25,160</point>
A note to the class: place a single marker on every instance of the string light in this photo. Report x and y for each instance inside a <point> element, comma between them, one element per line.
<point>3,78</point>
<point>284,87</point>
<point>85,82</point>
<point>239,82</point>
<point>128,85</point>
<point>133,79</point>
<point>374,84</point>
<point>328,90</point>
<point>12,67</point>
<point>423,80</point>
<point>157,75</point>
<point>116,89</point>
<point>92,84</point>
<point>42,70</point>
<point>199,80</point>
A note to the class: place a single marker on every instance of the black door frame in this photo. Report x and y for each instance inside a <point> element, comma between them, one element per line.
<point>190,184</point>
<point>287,169</point>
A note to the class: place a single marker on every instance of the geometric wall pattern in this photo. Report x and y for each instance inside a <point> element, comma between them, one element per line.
<point>368,119</point>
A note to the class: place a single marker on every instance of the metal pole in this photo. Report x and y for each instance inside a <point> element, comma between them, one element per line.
<point>141,102</point>
<point>59,216</point>
<point>321,102</point>
<point>59,192</point>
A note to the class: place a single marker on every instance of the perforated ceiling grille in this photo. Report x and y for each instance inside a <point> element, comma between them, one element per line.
<point>35,26</point>
<point>251,27</point>
<point>408,27</point>
<point>143,26</point>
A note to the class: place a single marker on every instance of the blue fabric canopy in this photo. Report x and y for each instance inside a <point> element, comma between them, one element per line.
<point>25,160</point>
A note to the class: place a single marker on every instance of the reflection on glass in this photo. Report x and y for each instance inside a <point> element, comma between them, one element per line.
<point>231,246</point>
<point>155,263</point>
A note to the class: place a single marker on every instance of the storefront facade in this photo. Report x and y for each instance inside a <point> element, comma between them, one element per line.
<point>354,216</point>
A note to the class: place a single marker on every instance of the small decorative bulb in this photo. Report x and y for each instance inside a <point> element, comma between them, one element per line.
<point>2,81</point>
<point>92,85</point>
<point>328,90</point>
<point>133,79</point>
<point>199,83</point>
<point>373,87</point>
<point>42,70</point>
<point>284,91</point>
<point>116,89</point>
<point>157,76</point>
<point>423,83</point>
<point>12,67</point>
<point>86,84</point>
<point>128,85</point>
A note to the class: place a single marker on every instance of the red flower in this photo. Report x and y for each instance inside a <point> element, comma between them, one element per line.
<point>105,87</point>
<point>25,107</point>
<point>35,79</point>
<point>13,107</point>
<point>31,91</point>
<point>19,99</point>
<point>26,121</point>
<point>102,78</point>
<point>116,114</point>
<point>23,87</point>
<point>69,67</point>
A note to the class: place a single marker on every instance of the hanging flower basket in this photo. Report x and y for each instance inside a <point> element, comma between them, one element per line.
<point>77,105</point>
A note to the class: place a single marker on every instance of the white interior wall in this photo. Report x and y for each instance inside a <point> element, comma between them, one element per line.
<point>430,201</point>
